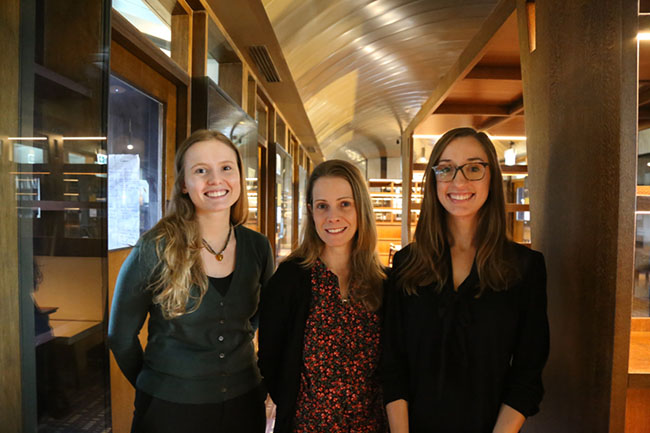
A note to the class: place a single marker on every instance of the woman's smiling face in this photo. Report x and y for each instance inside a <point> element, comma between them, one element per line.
<point>334,211</point>
<point>212,178</point>
<point>462,198</point>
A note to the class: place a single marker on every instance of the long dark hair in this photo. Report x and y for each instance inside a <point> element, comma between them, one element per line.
<point>428,258</point>
<point>366,272</point>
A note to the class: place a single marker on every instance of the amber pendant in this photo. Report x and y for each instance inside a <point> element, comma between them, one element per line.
<point>219,257</point>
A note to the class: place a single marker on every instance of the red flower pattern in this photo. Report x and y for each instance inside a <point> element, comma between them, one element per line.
<point>339,388</point>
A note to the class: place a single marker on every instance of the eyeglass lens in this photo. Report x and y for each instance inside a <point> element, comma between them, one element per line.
<point>471,171</point>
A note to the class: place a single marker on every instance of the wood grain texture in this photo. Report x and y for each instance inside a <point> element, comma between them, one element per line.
<point>582,220</point>
<point>10,357</point>
<point>130,68</point>
<point>122,393</point>
<point>638,411</point>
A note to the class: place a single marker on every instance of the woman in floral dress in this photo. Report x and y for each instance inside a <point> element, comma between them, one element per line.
<point>319,315</point>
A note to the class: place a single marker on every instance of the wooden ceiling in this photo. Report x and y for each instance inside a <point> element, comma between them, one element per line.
<point>364,68</point>
<point>489,96</point>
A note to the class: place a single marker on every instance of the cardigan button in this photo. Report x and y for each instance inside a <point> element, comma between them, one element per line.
<point>221,322</point>
<point>221,304</point>
<point>222,355</point>
<point>221,338</point>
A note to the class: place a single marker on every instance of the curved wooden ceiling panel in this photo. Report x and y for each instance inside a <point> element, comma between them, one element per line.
<point>363,68</point>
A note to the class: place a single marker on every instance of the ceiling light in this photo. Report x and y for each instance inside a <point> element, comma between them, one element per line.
<point>644,36</point>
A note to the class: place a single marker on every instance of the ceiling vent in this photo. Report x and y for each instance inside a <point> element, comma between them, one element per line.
<point>262,59</point>
<point>311,149</point>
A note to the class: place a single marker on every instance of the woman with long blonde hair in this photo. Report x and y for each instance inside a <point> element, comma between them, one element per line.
<point>197,274</point>
<point>465,333</point>
<point>319,314</point>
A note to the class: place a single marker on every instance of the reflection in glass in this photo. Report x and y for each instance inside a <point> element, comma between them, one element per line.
<point>155,24</point>
<point>640,300</point>
<point>60,180</point>
<point>284,189</point>
<point>134,163</point>
<point>225,116</point>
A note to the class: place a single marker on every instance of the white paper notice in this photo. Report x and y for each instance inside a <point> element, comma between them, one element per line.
<point>123,200</point>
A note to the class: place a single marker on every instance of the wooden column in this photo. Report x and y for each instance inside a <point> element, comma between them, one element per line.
<point>407,179</point>
<point>271,187</point>
<point>580,104</point>
<point>10,350</point>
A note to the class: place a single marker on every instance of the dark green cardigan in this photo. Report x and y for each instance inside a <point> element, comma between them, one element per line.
<point>203,357</point>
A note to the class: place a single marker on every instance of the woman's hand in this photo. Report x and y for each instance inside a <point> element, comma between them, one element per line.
<point>398,416</point>
<point>509,420</point>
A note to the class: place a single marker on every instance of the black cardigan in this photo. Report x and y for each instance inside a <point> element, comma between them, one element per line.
<point>284,308</point>
<point>456,358</point>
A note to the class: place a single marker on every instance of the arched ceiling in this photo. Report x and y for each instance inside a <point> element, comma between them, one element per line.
<point>364,68</point>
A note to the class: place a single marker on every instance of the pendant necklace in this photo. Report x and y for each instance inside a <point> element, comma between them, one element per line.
<point>219,255</point>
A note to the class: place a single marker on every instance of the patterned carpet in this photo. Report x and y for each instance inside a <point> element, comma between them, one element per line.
<point>83,407</point>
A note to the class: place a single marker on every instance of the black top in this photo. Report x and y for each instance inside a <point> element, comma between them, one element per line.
<point>284,307</point>
<point>222,284</point>
<point>456,358</point>
<point>206,356</point>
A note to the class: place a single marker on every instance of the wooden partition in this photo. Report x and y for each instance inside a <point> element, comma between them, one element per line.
<point>580,104</point>
<point>10,355</point>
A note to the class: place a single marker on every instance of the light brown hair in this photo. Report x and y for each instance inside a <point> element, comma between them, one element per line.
<point>366,272</point>
<point>428,258</point>
<point>178,240</point>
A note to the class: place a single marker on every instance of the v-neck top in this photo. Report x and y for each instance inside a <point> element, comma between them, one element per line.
<point>221,284</point>
<point>456,357</point>
<point>206,356</point>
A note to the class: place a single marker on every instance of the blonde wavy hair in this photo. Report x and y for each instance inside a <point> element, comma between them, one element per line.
<point>178,241</point>
<point>366,271</point>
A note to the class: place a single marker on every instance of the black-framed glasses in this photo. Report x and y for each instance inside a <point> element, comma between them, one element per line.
<point>472,171</point>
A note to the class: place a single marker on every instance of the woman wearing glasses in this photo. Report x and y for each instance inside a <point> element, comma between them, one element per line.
<point>465,332</point>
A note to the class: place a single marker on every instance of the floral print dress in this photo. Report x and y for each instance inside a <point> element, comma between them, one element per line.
<point>339,388</point>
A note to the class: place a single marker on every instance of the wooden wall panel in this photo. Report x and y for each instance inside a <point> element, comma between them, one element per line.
<point>637,416</point>
<point>10,356</point>
<point>580,105</point>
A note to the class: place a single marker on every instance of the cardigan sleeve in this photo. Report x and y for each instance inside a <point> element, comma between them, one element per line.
<point>267,267</point>
<point>129,309</point>
<point>394,363</point>
<point>275,317</point>
<point>523,388</point>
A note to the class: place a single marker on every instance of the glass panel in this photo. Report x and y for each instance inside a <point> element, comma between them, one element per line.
<point>225,116</point>
<point>60,179</point>
<point>284,190</point>
<point>134,163</point>
<point>641,297</point>
<point>151,18</point>
<point>302,194</point>
<point>640,301</point>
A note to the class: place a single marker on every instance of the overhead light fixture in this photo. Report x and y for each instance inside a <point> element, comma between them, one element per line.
<point>510,155</point>
<point>28,138</point>
<point>643,36</point>
<point>83,138</point>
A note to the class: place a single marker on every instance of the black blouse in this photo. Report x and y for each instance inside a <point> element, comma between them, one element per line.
<point>456,357</point>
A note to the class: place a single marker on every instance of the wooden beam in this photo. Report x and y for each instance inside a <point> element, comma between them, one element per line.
<point>483,72</point>
<point>514,109</point>
<point>473,109</point>
<point>127,35</point>
<point>644,20</point>
<point>465,62</point>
